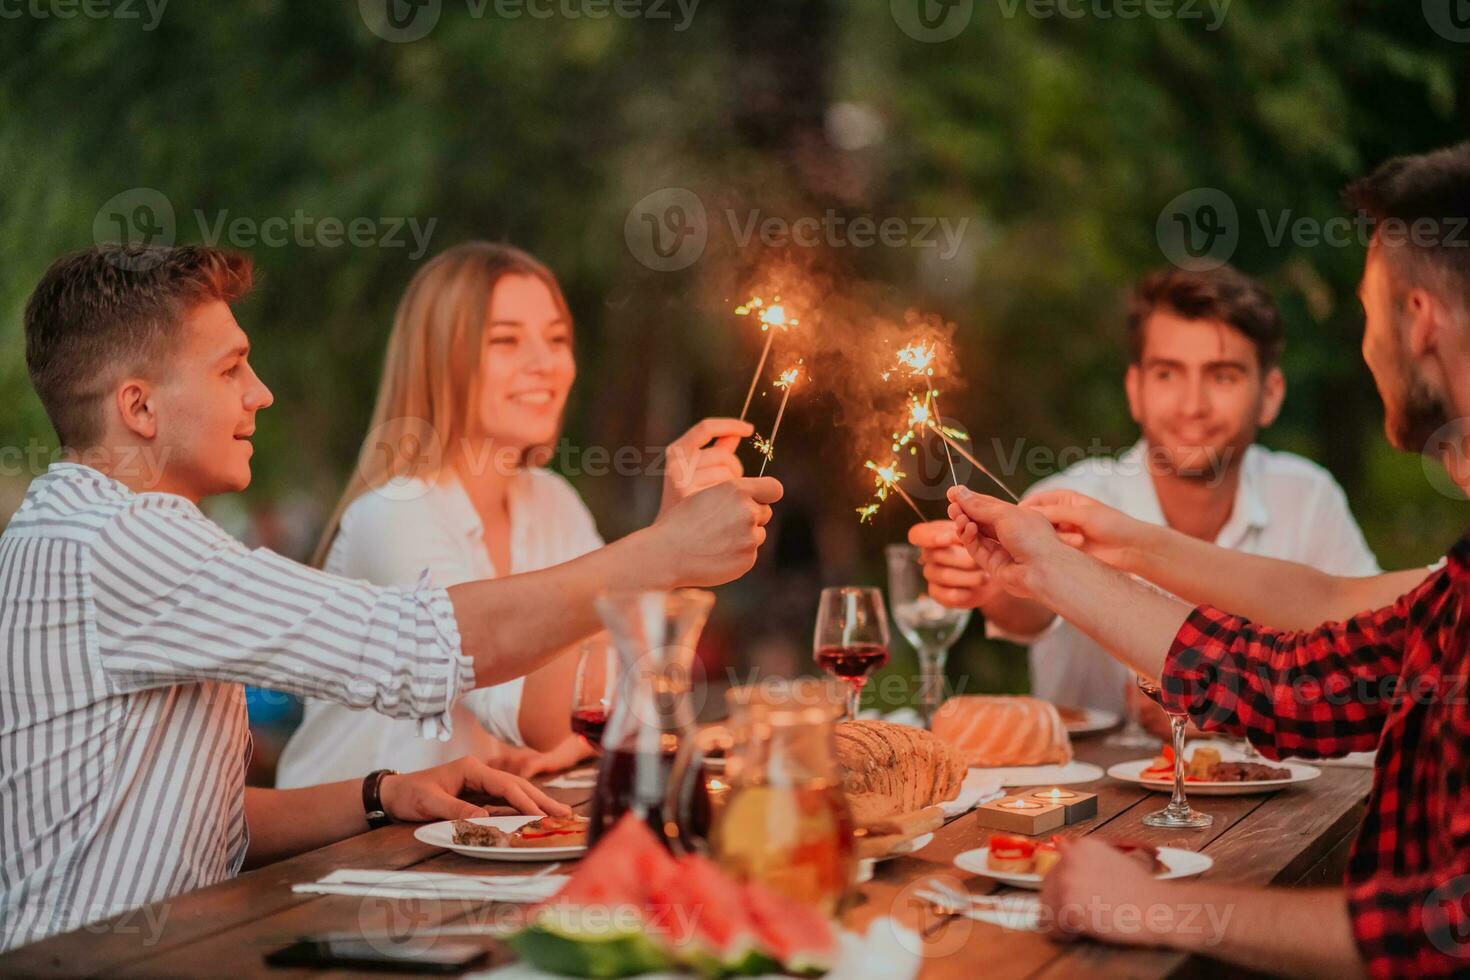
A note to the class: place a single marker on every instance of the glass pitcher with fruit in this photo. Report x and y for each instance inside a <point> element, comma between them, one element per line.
<point>652,717</point>
<point>784,819</point>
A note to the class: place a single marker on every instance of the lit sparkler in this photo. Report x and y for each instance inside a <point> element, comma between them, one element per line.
<point>767,447</point>
<point>887,478</point>
<point>768,316</point>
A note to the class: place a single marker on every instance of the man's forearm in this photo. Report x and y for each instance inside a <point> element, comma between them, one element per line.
<point>1019,617</point>
<point>514,625</point>
<point>1280,594</point>
<point>1292,932</point>
<point>1135,623</point>
<point>277,827</point>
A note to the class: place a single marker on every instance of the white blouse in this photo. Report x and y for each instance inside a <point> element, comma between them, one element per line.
<point>391,538</point>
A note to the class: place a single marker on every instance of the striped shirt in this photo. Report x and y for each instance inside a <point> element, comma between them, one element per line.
<point>129,624</point>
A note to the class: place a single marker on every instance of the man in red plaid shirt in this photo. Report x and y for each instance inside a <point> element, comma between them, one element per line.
<point>1393,679</point>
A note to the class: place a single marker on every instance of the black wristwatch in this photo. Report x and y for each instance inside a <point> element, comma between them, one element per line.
<point>372,803</point>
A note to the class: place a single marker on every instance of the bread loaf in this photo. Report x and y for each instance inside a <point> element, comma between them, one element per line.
<point>891,769</point>
<point>1003,731</point>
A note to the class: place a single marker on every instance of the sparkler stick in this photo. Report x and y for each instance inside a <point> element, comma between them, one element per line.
<point>767,447</point>
<point>770,316</point>
<point>919,359</point>
<point>949,441</point>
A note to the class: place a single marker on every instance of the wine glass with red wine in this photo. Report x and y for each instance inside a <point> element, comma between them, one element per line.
<point>851,639</point>
<point>594,690</point>
<point>1178,814</point>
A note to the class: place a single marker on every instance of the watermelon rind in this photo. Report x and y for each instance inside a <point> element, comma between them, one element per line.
<point>558,944</point>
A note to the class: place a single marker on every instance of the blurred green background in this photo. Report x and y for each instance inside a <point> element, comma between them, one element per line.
<point>1057,139</point>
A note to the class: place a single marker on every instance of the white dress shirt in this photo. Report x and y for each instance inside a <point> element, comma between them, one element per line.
<point>394,538</point>
<point>1285,507</point>
<point>129,623</point>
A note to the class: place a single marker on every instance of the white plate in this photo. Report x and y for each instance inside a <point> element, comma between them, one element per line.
<point>442,835</point>
<point>1072,772</point>
<point>1130,772</point>
<point>866,866</point>
<point>1179,862</point>
<point>1094,720</point>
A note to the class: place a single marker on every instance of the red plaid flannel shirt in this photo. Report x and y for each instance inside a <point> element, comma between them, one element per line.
<point>1392,680</point>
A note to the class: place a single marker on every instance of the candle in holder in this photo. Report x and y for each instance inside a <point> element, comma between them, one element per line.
<point>1021,815</point>
<point>1076,805</point>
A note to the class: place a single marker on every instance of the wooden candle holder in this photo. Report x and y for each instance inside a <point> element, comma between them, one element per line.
<point>1077,804</point>
<point>1020,815</point>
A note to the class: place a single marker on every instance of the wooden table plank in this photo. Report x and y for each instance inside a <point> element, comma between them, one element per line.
<point>227,928</point>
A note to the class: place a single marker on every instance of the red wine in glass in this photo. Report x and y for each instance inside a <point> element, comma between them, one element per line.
<point>589,723</point>
<point>638,782</point>
<point>853,662</point>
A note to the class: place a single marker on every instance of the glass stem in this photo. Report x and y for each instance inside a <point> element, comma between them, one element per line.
<point>931,683</point>
<point>854,699</point>
<point>1177,723</point>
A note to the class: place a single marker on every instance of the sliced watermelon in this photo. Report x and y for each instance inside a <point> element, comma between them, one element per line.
<point>707,927</point>
<point>799,937</point>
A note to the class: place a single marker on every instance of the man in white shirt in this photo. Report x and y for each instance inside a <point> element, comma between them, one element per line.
<point>1205,378</point>
<point>130,621</point>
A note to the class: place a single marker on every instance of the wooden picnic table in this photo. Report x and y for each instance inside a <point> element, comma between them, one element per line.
<point>1296,837</point>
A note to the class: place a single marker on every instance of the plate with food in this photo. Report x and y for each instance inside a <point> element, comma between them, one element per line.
<point>1081,722</point>
<point>519,838</point>
<point>1212,771</point>
<point>1024,862</point>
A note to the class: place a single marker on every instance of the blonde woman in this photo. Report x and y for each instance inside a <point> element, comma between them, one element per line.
<point>478,369</point>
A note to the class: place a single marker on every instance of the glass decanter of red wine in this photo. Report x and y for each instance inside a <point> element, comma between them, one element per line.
<point>594,689</point>
<point>652,717</point>
<point>851,638</point>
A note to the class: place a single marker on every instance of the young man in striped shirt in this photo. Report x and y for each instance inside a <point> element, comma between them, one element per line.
<point>130,622</point>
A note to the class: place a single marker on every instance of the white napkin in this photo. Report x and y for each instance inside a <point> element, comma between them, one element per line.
<point>980,786</point>
<point>436,884</point>
<point>583,778</point>
<point>1072,772</point>
<point>1019,912</point>
<point>888,950</point>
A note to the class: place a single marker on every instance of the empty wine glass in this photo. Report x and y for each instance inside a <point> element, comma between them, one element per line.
<point>1178,814</point>
<point>1132,735</point>
<point>851,638</point>
<point>594,690</point>
<point>930,628</point>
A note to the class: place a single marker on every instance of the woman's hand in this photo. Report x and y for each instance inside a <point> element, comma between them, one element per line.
<point>570,751</point>
<point>434,794</point>
<point>1106,534</point>
<point>955,579</point>
<point>701,458</point>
